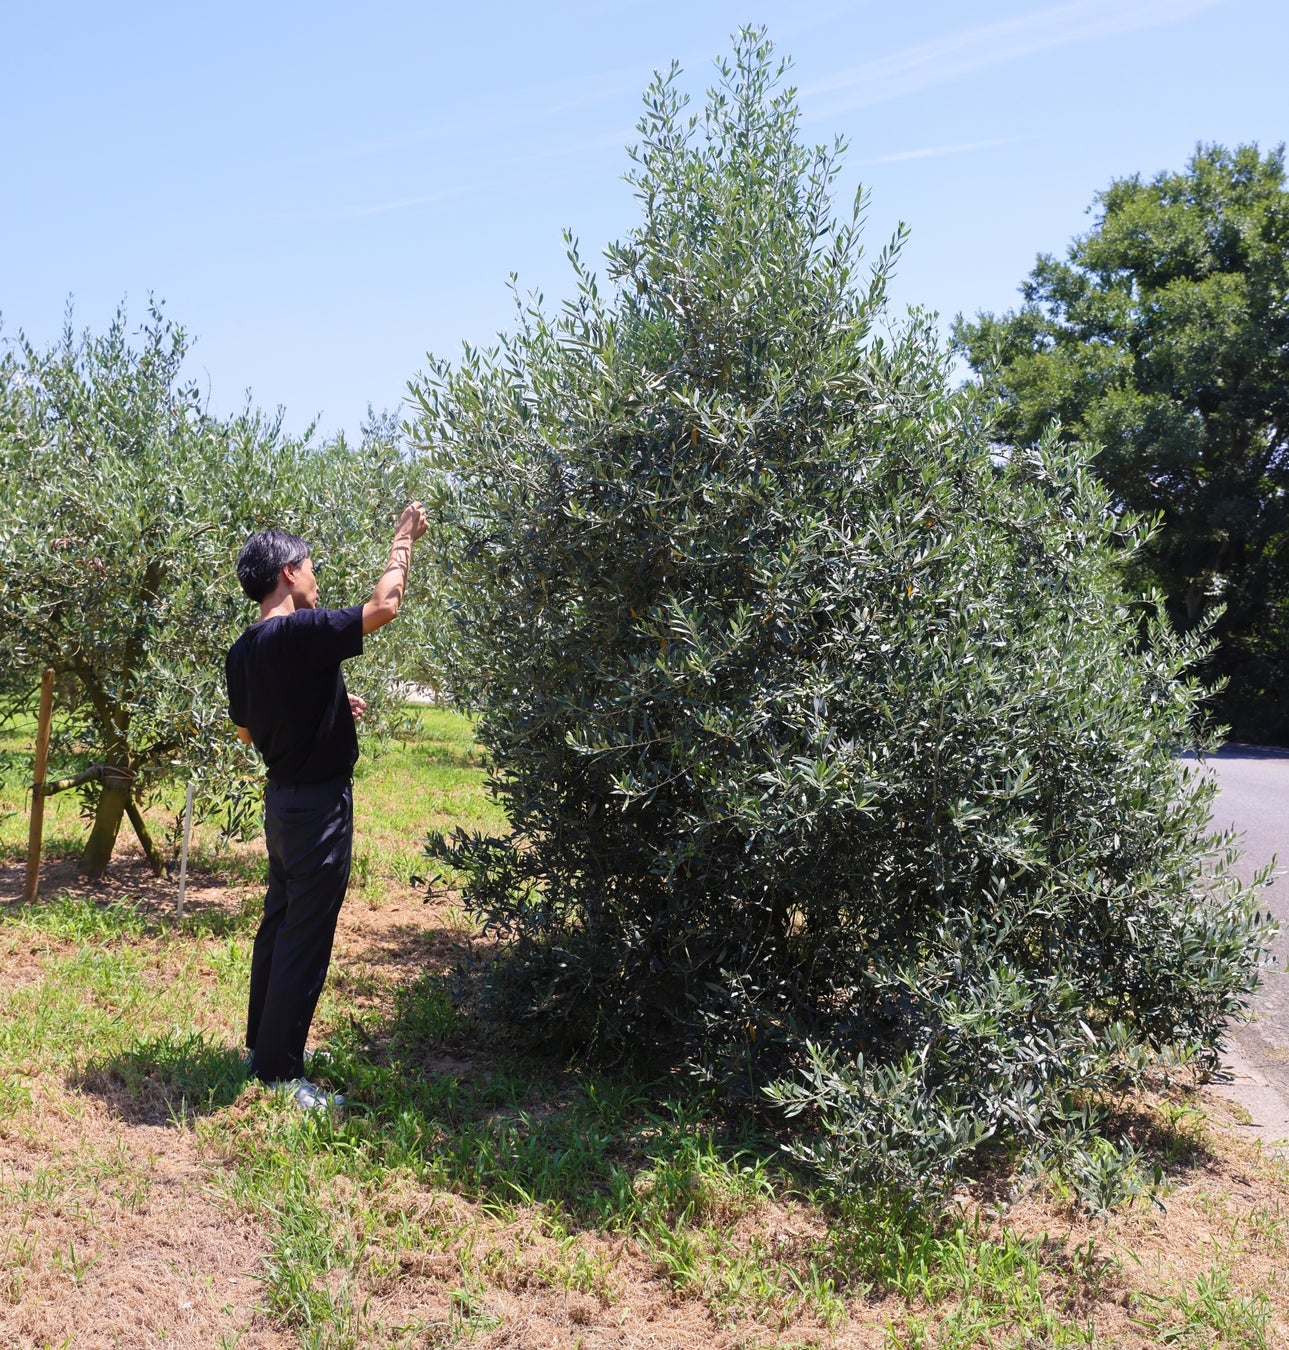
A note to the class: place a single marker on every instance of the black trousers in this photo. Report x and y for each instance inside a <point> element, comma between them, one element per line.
<point>309,832</point>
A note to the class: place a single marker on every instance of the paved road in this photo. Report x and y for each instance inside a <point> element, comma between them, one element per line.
<point>1254,797</point>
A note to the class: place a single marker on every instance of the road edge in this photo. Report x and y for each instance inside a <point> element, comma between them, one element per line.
<point>1245,1086</point>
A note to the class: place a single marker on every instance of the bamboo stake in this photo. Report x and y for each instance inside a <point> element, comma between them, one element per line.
<point>43,723</point>
<point>183,854</point>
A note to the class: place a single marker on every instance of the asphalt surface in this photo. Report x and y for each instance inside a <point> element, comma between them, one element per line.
<point>1254,798</point>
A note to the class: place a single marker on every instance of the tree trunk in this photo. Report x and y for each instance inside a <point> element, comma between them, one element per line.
<point>107,825</point>
<point>141,830</point>
<point>114,727</point>
<point>1194,604</point>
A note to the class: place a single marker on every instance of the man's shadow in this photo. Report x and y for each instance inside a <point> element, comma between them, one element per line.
<point>167,1080</point>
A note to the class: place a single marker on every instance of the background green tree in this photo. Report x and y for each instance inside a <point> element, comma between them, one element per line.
<point>832,760</point>
<point>1164,337</point>
<point>123,504</point>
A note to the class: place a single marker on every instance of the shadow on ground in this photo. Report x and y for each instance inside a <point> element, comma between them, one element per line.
<point>130,884</point>
<point>1241,750</point>
<point>167,1080</point>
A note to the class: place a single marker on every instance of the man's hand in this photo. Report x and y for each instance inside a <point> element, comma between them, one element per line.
<point>357,706</point>
<point>412,522</point>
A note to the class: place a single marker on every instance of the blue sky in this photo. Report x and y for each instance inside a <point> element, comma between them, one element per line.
<point>323,193</point>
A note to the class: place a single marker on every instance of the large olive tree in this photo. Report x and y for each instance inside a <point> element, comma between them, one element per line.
<point>832,761</point>
<point>123,503</point>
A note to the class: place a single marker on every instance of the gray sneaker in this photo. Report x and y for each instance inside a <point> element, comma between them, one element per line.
<point>309,1096</point>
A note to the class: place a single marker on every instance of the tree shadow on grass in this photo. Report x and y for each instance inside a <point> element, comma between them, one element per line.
<point>167,1080</point>
<point>492,1120</point>
<point>450,1090</point>
<point>128,897</point>
<point>408,951</point>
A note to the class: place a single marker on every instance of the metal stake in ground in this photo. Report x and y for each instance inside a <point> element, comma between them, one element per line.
<point>43,723</point>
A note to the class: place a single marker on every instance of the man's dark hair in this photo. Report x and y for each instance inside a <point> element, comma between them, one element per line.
<point>263,557</point>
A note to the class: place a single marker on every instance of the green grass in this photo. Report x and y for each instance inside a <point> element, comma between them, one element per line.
<point>494,1171</point>
<point>404,788</point>
<point>1211,1311</point>
<point>64,831</point>
<point>428,781</point>
<point>99,999</point>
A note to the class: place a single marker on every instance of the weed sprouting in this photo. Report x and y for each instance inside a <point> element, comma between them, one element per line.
<point>79,918</point>
<point>77,1267</point>
<point>1212,1311</point>
<point>188,1070</point>
<point>424,1015</point>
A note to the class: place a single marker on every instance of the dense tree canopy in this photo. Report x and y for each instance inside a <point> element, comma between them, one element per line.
<point>1163,336</point>
<point>831,756</point>
<point>122,506</point>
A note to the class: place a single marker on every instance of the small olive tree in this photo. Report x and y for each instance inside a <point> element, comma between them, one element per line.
<point>122,506</point>
<point>833,764</point>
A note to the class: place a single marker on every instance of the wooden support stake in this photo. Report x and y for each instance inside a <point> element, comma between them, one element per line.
<point>43,723</point>
<point>141,831</point>
<point>183,853</point>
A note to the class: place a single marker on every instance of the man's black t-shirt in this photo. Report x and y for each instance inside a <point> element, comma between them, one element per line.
<point>285,687</point>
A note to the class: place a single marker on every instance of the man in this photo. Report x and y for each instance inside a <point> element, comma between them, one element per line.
<point>286,695</point>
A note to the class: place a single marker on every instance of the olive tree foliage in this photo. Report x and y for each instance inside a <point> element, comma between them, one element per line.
<point>833,768</point>
<point>1163,335</point>
<point>123,504</point>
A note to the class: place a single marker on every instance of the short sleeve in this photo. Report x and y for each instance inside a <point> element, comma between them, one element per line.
<point>326,637</point>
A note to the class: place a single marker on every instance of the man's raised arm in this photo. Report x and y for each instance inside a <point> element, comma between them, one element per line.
<point>388,595</point>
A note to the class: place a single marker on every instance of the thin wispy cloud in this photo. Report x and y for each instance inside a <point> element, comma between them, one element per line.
<point>380,208</point>
<point>609,140</point>
<point>975,49</point>
<point>937,151</point>
<point>526,107</point>
<point>910,70</point>
<point>804,18</point>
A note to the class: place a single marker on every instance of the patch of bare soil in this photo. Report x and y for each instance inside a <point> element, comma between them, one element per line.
<point>112,1240</point>
<point>128,878</point>
<point>396,937</point>
<point>110,1237</point>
